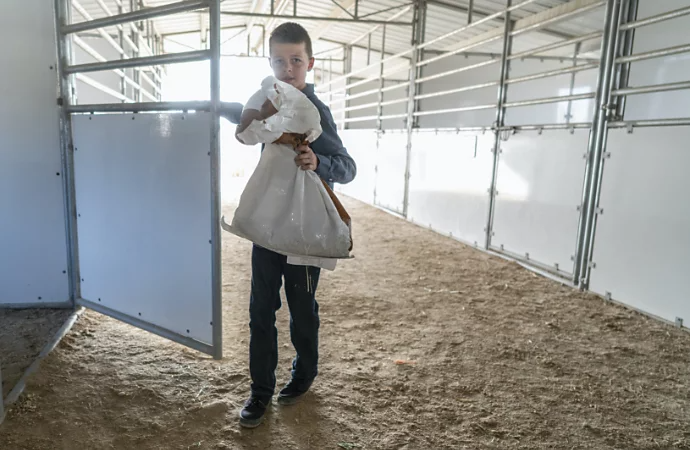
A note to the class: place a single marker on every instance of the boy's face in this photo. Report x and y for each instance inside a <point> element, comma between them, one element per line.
<point>290,63</point>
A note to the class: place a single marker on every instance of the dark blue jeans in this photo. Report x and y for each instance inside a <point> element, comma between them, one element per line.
<point>268,270</point>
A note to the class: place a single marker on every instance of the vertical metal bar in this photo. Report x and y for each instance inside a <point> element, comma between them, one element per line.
<point>382,83</point>
<point>356,9</point>
<point>347,69</point>
<point>624,74</point>
<point>470,11</point>
<point>263,40</point>
<point>294,8</point>
<point>330,78</point>
<point>135,53</point>
<point>62,10</point>
<point>121,35</point>
<point>273,9</point>
<point>216,261</point>
<point>593,169</point>
<point>569,112</point>
<point>500,118</point>
<point>249,42</point>
<point>369,50</point>
<point>417,38</point>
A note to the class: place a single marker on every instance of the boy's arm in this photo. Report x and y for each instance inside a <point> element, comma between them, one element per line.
<point>337,165</point>
<point>231,111</point>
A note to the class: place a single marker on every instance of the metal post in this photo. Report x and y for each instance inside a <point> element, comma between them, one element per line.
<point>356,9</point>
<point>347,69</point>
<point>594,166</point>
<point>135,53</point>
<point>214,153</point>
<point>330,78</point>
<point>624,73</point>
<point>62,10</point>
<point>417,39</point>
<point>500,118</point>
<point>294,8</point>
<point>382,83</point>
<point>121,35</point>
<point>369,50</point>
<point>470,11</point>
<point>569,112</point>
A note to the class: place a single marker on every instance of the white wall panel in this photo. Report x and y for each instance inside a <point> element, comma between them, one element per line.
<point>33,250</point>
<point>361,145</point>
<point>450,176</point>
<point>390,171</point>
<point>643,236</point>
<point>143,199</point>
<point>539,186</point>
<point>669,69</point>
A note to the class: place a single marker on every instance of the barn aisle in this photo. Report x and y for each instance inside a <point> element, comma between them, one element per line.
<point>425,344</point>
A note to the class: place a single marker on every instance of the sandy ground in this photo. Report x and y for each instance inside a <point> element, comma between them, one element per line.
<point>23,334</point>
<point>496,358</point>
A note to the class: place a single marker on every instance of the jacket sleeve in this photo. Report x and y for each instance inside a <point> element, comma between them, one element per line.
<point>335,164</point>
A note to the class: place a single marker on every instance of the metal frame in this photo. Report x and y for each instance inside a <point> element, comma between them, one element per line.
<point>69,73</point>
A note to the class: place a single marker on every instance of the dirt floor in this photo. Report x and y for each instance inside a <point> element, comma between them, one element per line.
<point>495,358</point>
<point>23,334</point>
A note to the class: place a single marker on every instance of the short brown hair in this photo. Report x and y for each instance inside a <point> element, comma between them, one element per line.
<point>291,33</point>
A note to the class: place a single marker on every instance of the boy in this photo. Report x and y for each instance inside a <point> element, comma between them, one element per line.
<point>291,58</point>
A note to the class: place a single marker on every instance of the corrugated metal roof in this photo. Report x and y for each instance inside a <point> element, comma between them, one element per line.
<point>443,16</point>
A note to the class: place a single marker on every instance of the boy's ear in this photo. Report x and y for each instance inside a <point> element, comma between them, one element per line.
<point>311,64</point>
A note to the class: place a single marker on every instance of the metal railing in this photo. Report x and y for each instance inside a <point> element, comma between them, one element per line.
<point>69,73</point>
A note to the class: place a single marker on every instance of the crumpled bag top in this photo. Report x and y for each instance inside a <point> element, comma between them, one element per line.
<point>296,114</point>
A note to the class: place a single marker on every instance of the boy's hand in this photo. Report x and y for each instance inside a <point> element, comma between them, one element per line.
<point>306,159</point>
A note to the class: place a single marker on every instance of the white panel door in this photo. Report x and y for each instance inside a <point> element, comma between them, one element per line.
<point>33,246</point>
<point>643,235</point>
<point>390,171</point>
<point>539,184</point>
<point>449,180</point>
<point>144,221</point>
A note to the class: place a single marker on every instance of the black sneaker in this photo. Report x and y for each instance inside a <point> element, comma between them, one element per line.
<point>253,412</point>
<point>292,392</point>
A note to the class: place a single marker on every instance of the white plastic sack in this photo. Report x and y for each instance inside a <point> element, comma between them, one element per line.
<point>284,208</point>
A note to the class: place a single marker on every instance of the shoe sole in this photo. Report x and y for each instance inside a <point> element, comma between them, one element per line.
<point>289,401</point>
<point>245,423</point>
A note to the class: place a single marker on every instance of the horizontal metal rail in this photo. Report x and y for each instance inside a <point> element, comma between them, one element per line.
<point>459,50</point>
<point>103,88</point>
<point>88,49</point>
<point>669,51</point>
<point>546,100</point>
<point>656,19</point>
<point>536,76</point>
<point>520,29</point>
<point>315,18</point>
<point>368,118</point>
<point>452,110</point>
<point>680,121</point>
<point>173,58</point>
<point>133,16</point>
<point>553,73</point>
<point>556,45</point>
<point>548,126</point>
<point>652,88</point>
<point>140,107</point>
<point>80,9</point>
<point>526,28</point>
<point>369,92</point>
<point>475,23</point>
<point>521,26</point>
